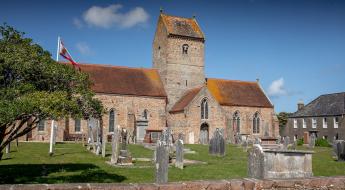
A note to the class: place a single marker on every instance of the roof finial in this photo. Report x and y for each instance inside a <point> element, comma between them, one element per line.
<point>194,15</point>
<point>161,9</point>
<point>257,80</point>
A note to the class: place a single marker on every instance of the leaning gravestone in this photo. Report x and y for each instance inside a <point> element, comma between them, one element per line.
<point>312,140</point>
<point>217,144</point>
<point>8,150</point>
<point>179,154</point>
<point>162,162</point>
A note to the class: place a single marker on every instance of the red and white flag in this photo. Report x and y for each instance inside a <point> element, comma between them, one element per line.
<point>65,54</point>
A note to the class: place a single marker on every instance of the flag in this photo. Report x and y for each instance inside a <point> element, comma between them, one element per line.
<point>65,54</point>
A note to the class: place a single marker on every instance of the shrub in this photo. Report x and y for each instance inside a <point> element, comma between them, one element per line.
<point>322,143</point>
<point>300,142</point>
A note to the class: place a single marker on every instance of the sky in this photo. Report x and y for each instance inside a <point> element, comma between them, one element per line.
<point>296,48</point>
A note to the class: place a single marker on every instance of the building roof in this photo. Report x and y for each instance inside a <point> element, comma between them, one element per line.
<point>180,26</point>
<point>185,99</point>
<point>124,80</point>
<point>238,93</point>
<point>324,105</point>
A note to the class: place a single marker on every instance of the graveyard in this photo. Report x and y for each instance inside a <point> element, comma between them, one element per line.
<point>73,163</point>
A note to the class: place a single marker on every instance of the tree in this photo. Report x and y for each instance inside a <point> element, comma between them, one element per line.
<point>282,117</point>
<point>34,87</point>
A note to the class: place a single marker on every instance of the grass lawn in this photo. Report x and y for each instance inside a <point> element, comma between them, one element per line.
<point>72,163</point>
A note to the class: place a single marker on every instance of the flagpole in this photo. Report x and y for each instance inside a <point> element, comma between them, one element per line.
<point>52,130</point>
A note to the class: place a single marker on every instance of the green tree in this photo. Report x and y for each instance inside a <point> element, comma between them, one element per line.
<point>34,87</point>
<point>282,117</point>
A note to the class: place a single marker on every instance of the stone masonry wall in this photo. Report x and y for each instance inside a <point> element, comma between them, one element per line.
<point>315,183</point>
<point>267,121</point>
<point>189,121</point>
<point>122,105</point>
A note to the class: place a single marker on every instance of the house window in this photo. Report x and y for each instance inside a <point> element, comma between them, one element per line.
<point>313,123</point>
<point>324,122</point>
<point>77,125</point>
<point>236,122</point>
<point>304,124</point>
<point>145,114</point>
<point>41,125</point>
<point>295,123</point>
<point>336,122</point>
<point>256,123</point>
<point>111,120</point>
<point>204,109</point>
<point>185,49</point>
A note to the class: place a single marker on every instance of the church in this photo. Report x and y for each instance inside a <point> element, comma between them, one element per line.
<point>173,93</point>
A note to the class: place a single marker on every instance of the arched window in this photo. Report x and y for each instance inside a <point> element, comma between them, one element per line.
<point>204,109</point>
<point>236,122</point>
<point>185,49</point>
<point>256,123</point>
<point>111,120</point>
<point>77,125</point>
<point>145,114</point>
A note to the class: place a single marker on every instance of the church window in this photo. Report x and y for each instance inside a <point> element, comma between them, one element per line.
<point>236,120</point>
<point>111,120</point>
<point>41,125</point>
<point>204,109</point>
<point>145,114</point>
<point>256,123</point>
<point>77,125</point>
<point>185,49</point>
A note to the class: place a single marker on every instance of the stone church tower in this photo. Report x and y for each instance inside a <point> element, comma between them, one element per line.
<point>178,54</point>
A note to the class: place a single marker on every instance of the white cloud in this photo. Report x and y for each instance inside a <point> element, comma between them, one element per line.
<point>277,88</point>
<point>78,23</point>
<point>106,17</point>
<point>84,49</point>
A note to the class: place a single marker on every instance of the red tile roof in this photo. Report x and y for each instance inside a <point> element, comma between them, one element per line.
<point>238,93</point>
<point>124,80</point>
<point>180,26</point>
<point>185,100</point>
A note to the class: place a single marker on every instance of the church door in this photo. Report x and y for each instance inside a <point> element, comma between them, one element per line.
<point>204,133</point>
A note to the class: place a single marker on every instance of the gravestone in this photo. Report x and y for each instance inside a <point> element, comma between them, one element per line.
<point>98,143</point>
<point>115,140</point>
<point>217,144</point>
<point>245,144</point>
<point>312,140</point>
<point>257,140</point>
<point>340,150</point>
<point>125,157</point>
<point>238,139</point>
<point>179,154</point>
<point>162,162</point>
<point>286,143</point>
<point>279,139</point>
<point>8,150</point>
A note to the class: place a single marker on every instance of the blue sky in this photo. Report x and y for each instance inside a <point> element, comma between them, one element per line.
<point>295,47</point>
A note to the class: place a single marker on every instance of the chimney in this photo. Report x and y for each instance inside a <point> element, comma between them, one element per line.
<point>300,105</point>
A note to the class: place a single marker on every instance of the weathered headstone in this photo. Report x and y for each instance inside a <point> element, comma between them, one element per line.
<point>8,150</point>
<point>162,162</point>
<point>217,144</point>
<point>245,145</point>
<point>104,144</point>
<point>125,157</point>
<point>257,140</point>
<point>340,150</point>
<point>98,143</point>
<point>286,143</point>
<point>179,154</point>
<point>115,140</point>
<point>312,140</point>
<point>238,139</point>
